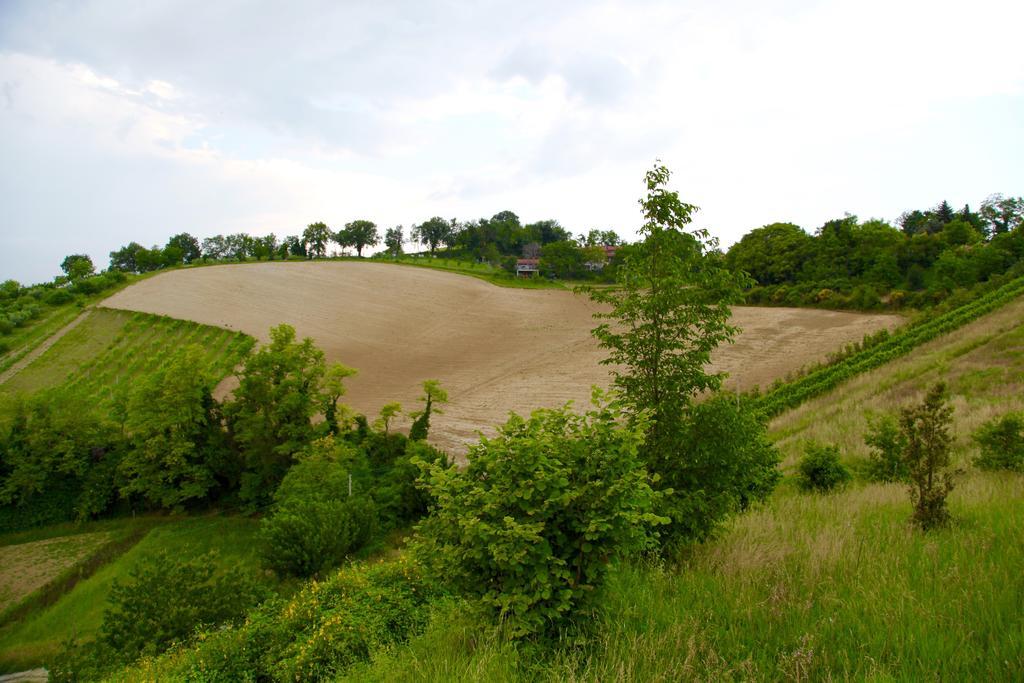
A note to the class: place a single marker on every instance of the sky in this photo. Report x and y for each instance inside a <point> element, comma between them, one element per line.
<point>133,121</point>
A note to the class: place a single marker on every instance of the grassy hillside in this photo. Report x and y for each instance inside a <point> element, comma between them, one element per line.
<point>111,349</point>
<point>29,642</point>
<point>810,586</point>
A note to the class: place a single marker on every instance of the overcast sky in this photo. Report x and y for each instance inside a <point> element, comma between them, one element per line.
<point>124,121</point>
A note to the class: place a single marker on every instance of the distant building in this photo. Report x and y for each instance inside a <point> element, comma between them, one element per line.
<point>527,267</point>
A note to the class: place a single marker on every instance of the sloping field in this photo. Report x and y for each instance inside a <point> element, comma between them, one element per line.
<point>494,349</point>
<point>982,363</point>
<point>111,349</point>
<point>27,567</point>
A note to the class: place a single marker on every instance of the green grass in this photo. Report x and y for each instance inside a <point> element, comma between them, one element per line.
<point>804,588</point>
<point>24,339</point>
<point>112,349</point>
<point>29,642</point>
<point>809,587</point>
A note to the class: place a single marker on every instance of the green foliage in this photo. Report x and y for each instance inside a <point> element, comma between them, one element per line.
<point>274,404</point>
<point>77,266</point>
<point>926,430</point>
<point>885,348</point>
<point>528,528</point>
<point>887,444</point>
<point>398,491</point>
<point>315,238</point>
<point>719,463</point>
<point>1002,443</point>
<point>355,615</point>
<point>315,522</point>
<point>58,457</point>
<point>358,234</point>
<point>432,395</point>
<point>820,470</point>
<point>176,432</point>
<point>164,601</point>
<point>668,313</point>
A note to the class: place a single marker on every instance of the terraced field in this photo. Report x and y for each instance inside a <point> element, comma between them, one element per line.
<point>110,349</point>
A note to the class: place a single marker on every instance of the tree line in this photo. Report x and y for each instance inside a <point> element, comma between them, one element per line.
<point>870,264</point>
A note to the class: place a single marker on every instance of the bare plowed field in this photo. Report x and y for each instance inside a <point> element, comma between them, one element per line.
<point>494,349</point>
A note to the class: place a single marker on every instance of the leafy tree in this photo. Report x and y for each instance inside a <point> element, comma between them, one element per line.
<point>720,462</point>
<point>528,527</point>
<point>432,232</point>
<point>561,259</point>
<point>176,433</point>
<point>238,246</point>
<point>58,457</point>
<point>360,234</point>
<point>187,245</point>
<point>925,428</point>
<point>393,240</point>
<point>1002,214</point>
<point>315,238</point>
<point>124,259</point>
<point>547,231</point>
<point>333,390</point>
<point>214,248</point>
<point>669,312</point>
<point>274,404</point>
<point>887,444</point>
<point>295,245</point>
<point>772,254</point>
<point>77,266</point>
<point>432,394</point>
<point>388,412</point>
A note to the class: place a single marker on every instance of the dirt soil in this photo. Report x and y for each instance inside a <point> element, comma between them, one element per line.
<point>493,349</point>
<point>27,567</point>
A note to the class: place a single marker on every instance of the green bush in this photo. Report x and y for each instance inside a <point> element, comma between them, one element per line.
<point>6,326</point>
<point>164,601</point>
<point>306,537</point>
<point>315,524</point>
<point>328,626</point>
<point>721,461</point>
<point>820,469</point>
<point>1002,443</point>
<point>926,430</point>
<point>57,297</point>
<point>887,443</point>
<point>528,528</point>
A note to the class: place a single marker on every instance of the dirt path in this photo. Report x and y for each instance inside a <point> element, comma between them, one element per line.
<point>43,347</point>
<point>494,349</point>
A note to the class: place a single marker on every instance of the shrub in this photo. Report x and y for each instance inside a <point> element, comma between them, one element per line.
<point>820,469</point>
<point>164,601</point>
<point>887,443</point>
<point>306,537</point>
<point>317,634</point>
<point>528,527</point>
<point>721,462</point>
<point>926,454</point>
<point>1002,443</point>
<point>315,522</point>
<point>57,297</point>
<point>6,326</point>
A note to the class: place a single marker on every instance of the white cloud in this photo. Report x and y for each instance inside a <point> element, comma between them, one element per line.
<point>136,123</point>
